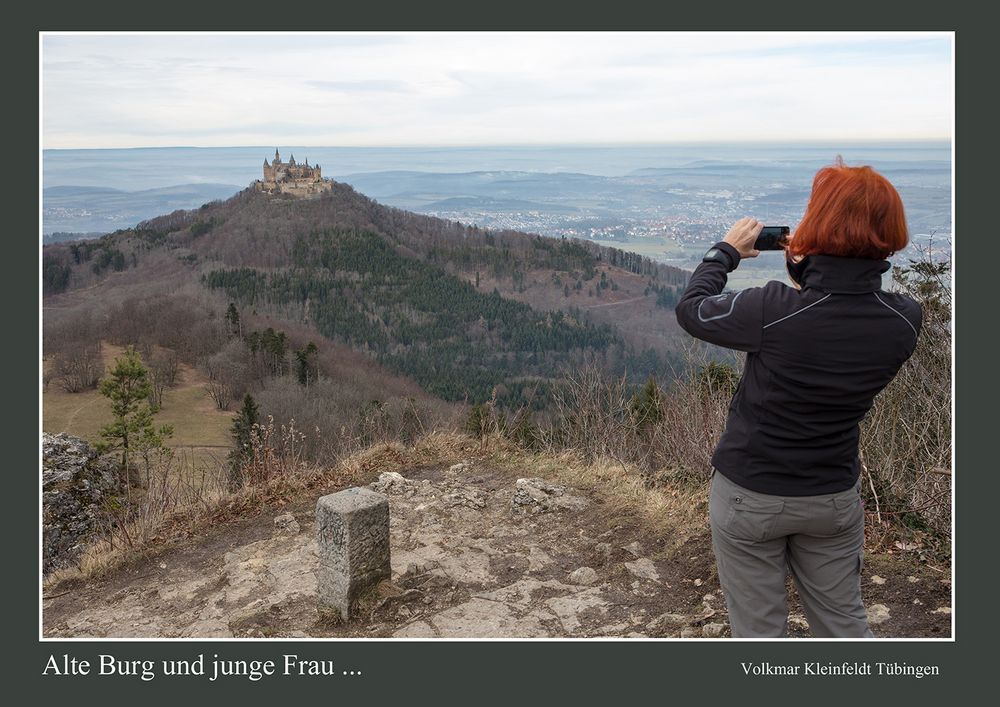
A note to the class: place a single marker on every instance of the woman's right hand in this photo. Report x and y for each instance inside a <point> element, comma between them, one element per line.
<point>743,235</point>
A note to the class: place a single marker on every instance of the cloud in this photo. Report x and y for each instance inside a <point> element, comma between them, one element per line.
<point>492,88</point>
<point>363,86</point>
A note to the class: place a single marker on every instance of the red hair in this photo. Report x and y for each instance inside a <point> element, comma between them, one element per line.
<point>853,212</point>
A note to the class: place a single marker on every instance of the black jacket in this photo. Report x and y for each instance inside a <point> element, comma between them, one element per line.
<point>816,359</point>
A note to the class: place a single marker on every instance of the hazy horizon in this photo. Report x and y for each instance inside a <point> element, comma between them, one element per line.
<point>138,168</point>
<point>527,144</point>
<point>551,189</point>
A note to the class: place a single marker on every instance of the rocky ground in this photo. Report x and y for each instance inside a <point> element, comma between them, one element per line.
<point>75,482</point>
<point>476,552</point>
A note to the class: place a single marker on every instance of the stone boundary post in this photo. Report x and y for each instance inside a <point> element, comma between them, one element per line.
<point>352,529</point>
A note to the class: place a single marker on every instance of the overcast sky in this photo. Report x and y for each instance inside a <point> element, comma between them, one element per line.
<point>492,89</point>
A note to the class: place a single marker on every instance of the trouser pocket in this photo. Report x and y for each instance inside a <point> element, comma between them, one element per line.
<point>848,510</point>
<point>743,514</point>
<point>754,519</point>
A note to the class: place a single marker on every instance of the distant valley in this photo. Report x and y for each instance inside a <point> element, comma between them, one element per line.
<point>96,210</point>
<point>665,202</point>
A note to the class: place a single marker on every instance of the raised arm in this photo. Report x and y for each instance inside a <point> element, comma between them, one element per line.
<point>732,320</point>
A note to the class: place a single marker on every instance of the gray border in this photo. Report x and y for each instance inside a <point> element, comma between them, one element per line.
<point>526,672</point>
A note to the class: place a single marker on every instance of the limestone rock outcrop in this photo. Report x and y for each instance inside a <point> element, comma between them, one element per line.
<point>76,481</point>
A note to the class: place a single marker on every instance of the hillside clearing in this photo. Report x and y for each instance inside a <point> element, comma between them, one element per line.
<point>201,430</point>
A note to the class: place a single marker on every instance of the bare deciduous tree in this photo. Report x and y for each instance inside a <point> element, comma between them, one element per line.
<point>78,366</point>
<point>163,367</point>
<point>228,373</point>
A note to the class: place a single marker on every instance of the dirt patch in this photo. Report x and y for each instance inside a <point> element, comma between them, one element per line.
<point>918,597</point>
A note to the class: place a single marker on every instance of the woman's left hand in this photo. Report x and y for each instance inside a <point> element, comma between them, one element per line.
<point>743,235</point>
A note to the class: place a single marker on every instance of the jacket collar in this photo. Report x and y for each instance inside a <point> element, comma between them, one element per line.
<point>837,274</point>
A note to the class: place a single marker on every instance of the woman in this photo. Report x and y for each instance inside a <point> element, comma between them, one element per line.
<point>785,490</point>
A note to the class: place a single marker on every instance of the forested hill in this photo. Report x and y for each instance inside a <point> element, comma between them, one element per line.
<point>270,224</point>
<point>460,309</point>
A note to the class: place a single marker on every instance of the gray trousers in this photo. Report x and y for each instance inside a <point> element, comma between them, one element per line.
<point>758,538</point>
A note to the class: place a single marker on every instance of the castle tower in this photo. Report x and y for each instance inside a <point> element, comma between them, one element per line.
<point>277,157</point>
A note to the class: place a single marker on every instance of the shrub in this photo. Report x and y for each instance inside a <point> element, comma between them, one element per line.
<point>906,438</point>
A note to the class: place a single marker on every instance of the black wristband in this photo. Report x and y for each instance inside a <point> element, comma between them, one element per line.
<point>734,255</point>
<point>723,253</point>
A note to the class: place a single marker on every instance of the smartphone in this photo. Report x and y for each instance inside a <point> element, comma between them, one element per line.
<point>772,238</point>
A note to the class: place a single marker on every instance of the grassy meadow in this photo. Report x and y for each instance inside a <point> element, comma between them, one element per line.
<point>201,431</point>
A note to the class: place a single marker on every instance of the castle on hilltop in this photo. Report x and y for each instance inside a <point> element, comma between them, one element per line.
<point>292,178</point>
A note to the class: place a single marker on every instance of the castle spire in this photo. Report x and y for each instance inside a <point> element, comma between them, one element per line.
<point>277,157</point>
<point>265,163</point>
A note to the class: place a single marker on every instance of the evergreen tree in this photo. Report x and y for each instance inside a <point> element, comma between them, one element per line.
<point>128,387</point>
<point>647,405</point>
<point>305,364</point>
<point>717,378</point>
<point>242,430</point>
<point>233,320</point>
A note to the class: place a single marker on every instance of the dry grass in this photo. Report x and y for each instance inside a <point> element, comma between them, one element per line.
<point>670,510</point>
<point>79,414</point>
